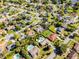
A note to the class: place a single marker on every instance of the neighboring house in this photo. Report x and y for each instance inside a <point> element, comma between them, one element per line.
<point>76,47</point>
<point>2,31</point>
<point>10,37</point>
<point>43,41</point>
<point>72,55</point>
<point>74,1</point>
<point>58,29</point>
<point>51,56</point>
<point>17,56</point>
<point>71,21</point>
<point>12,46</point>
<point>52,37</point>
<point>22,36</point>
<point>3,20</point>
<point>2,46</point>
<point>38,28</point>
<point>5,14</point>
<point>11,27</point>
<point>30,32</point>
<point>59,17</point>
<point>33,51</point>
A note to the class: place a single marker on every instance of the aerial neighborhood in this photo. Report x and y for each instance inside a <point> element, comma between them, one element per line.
<point>39,29</point>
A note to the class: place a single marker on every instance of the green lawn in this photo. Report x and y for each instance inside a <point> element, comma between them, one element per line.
<point>77,38</point>
<point>59,57</point>
<point>70,44</point>
<point>52,28</point>
<point>46,33</point>
<point>10,56</point>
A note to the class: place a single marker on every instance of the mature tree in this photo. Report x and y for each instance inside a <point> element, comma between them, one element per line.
<point>58,24</point>
<point>2,25</point>
<point>70,9</point>
<point>63,48</point>
<point>17,27</point>
<point>17,36</point>
<point>17,44</point>
<point>18,49</point>
<point>23,42</point>
<point>57,43</point>
<point>54,1</point>
<point>25,53</point>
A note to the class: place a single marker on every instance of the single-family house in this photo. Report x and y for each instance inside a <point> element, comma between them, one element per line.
<point>17,56</point>
<point>10,37</point>
<point>51,56</point>
<point>33,51</point>
<point>38,28</point>
<point>2,46</point>
<point>76,47</point>
<point>11,27</point>
<point>30,32</point>
<point>43,41</point>
<point>2,31</point>
<point>3,20</point>
<point>52,37</point>
<point>72,55</point>
<point>58,29</point>
<point>12,46</point>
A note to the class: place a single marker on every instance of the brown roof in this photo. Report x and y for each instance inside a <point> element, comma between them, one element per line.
<point>72,55</point>
<point>52,37</point>
<point>76,47</point>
